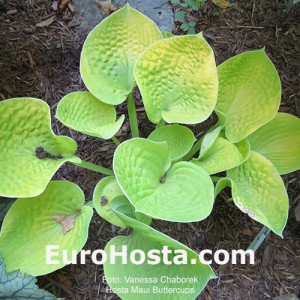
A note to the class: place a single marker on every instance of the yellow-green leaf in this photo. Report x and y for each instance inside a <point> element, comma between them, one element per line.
<point>279,142</point>
<point>147,239</point>
<point>111,50</point>
<point>83,112</point>
<point>32,224</point>
<point>180,139</point>
<point>178,80</point>
<point>249,94</point>
<point>259,191</point>
<point>30,152</point>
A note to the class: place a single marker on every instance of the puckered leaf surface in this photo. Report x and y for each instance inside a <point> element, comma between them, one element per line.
<point>178,80</point>
<point>14,286</point>
<point>259,191</point>
<point>279,142</point>
<point>24,129</point>
<point>249,94</point>
<point>83,112</point>
<point>146,238</point>
<point>111,50</point>
<point>180,139</point>
<point>183,193</point>
<point>33,223</point>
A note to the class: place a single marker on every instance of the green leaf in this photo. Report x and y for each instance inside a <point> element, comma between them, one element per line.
<point>166,34</point>
<point>223,155</point>
<point>249,94</point>
<point>192,23</point>
<point>146,239</point>
<point>179,16</point>
<point>14,286</point>
<point>106,190</point>
<point>279,142</point>
<point>175,2</point>
<point>183,193</point>
<point>209,139</point>
<point>221,185</point>
<point>25,130</point>
<point>259,191</point>
<point>232,4</point>
<point>180,139</point>
<point>83,112</point>
<point>111,50</point>
<point>56,217</point>
<point>191,30</point>
<point>178,80</point>
<point>184,26</point>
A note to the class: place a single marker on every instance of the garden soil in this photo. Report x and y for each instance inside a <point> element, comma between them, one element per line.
<point>39,57</point>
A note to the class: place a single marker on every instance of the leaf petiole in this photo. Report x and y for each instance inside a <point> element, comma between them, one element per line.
<point>194,150</point>
<point>132,116</point>
<point>115,140</point>
<point>94,167</point>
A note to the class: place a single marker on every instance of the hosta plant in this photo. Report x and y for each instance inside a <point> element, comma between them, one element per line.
<point>168,175</point>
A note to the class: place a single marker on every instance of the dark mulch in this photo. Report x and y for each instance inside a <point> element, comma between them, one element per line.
<point>43,62</point>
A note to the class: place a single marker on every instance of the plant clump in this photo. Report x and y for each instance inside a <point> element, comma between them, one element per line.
<point>170,175</point>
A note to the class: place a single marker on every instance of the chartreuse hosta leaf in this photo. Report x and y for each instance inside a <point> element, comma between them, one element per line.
<point>105,191</point>
<point>218,154</point>
<point>259,191</point>
<point>15,286</point>
<point>180,139</point>
<point>30,152</point>
<point>279,142</point>
<point>146,238</point>
<point>56,217</point>
<point>181,193</point>
<point>178,80</point>
<point>83,112</point>
<point>209,139</point>
<point>249,93</point>
<point>111,50</point>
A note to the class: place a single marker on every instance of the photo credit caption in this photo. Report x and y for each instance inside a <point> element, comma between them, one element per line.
<point>153,289</point>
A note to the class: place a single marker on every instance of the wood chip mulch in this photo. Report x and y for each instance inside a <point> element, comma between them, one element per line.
<point>39,57</point>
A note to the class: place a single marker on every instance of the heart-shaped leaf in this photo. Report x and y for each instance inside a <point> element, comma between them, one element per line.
<point>183,194</point>
<point>57,217</point>
<point>111,50</point>
<point>178,80</point>
<point>14,286</point>
<point>83,112</point>
<point>180,139</point>
<point>249,94</point>
<point>259,191</point>
<point>222,155</point>
<point>105,191</point>
<point>148,239</point>
<point>30,152</point>
<point>279,142</point>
